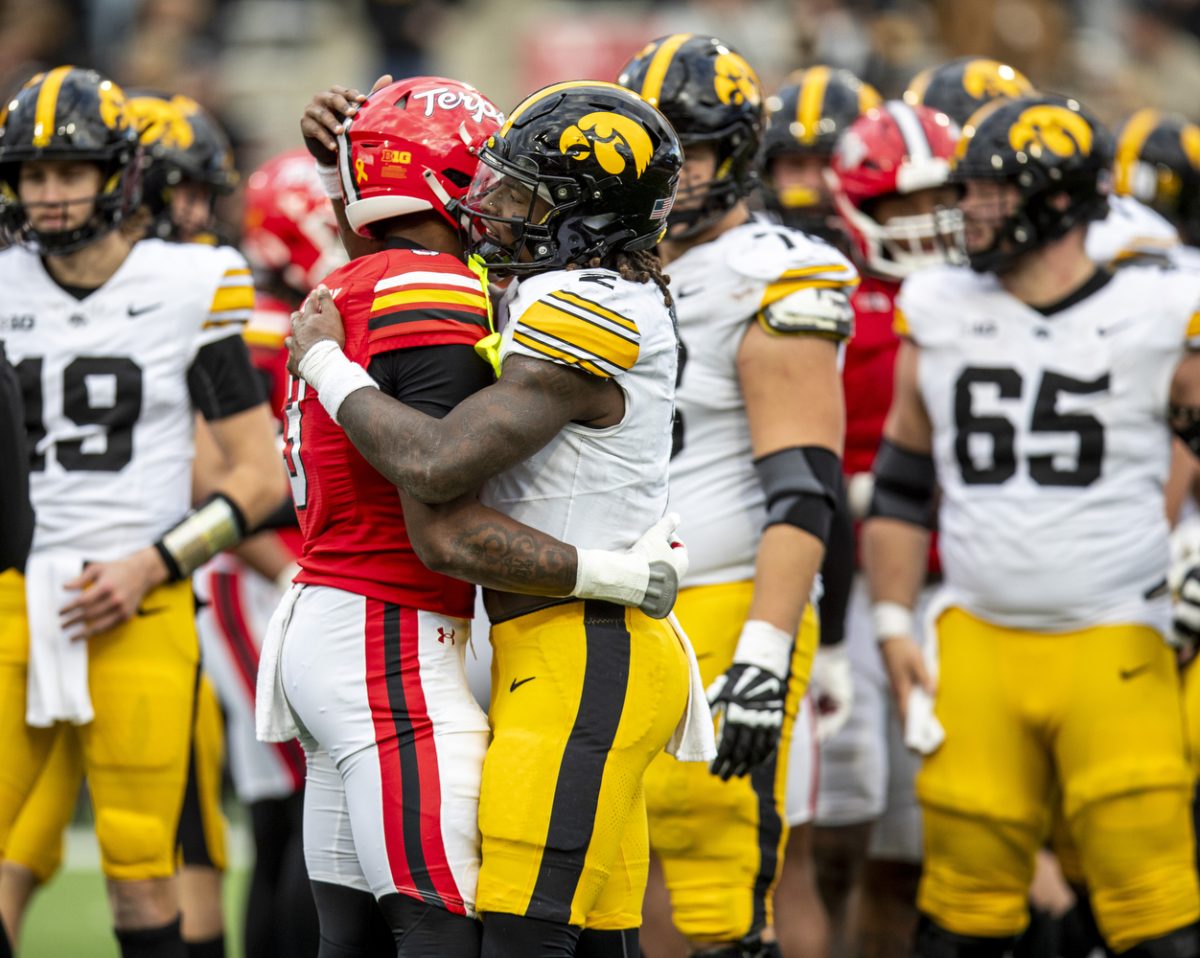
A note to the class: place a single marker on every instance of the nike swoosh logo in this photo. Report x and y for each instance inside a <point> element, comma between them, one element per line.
<point>1109,330</point>
<point>516,685</point>
<point>689,291</point>
<point>1136,670</point>
<point>157,610</point>
<point>145,309</point>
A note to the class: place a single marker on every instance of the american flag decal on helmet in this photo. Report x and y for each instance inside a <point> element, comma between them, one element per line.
<point>662,208</point>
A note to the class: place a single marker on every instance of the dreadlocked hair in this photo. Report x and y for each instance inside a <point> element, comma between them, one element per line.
<point>639,266</point>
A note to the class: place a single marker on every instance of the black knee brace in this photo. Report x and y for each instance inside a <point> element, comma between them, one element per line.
<point>518,936</point>
<point>933,941</point>
<point>608,944</point>
<point>752,946</point>
<point>429,931</point>
<point>1180,943</point>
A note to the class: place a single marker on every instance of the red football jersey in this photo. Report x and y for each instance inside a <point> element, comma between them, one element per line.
<point>868,371</point>
<point>353,523</point>
<point>868,376</point>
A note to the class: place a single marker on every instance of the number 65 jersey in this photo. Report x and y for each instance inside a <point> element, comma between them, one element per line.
<point>1051,441</point>
<point>111,383</point>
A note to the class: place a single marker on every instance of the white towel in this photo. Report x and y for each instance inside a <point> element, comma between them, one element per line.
<point>693,740</point>
<point>273,721</point>
<point>57,683</point>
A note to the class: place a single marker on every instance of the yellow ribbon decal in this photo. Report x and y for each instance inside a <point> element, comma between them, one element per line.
<point>360,170</point>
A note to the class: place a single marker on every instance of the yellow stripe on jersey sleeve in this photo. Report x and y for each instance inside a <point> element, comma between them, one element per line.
<point>1193,326</point>
<point>900,324</point>
<point>782,288</point>
<point>586,340</point>
<point>233,301</point>
<point>563,357</point>
<point>447,297</point>
<point>603,312</point>
<point>266,338</point>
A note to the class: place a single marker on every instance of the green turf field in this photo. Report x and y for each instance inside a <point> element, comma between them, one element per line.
<point>69,918</point>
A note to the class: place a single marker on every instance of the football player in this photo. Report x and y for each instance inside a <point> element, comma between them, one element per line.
<point>889,173</point>
<point>958,88</point>
<point>189,165</point>
<point>755,472</point>
<point>1032,389</point>
<point>109,399</point>
<point>401,158</point>
<point>805,117</point>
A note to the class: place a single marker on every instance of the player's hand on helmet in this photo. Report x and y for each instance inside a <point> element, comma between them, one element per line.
<point>668,558</point>
<point>324,115</point>
<point>831,686</point>
<point>110,593</point>
<point>905,664</point>
<point>748,699</point>
<point>317,319</point>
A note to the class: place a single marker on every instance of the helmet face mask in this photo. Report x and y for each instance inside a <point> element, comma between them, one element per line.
<point>87,124</point>
<point>581,170</point>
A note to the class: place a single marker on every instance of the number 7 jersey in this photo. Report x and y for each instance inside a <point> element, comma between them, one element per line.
<point>1051,441</point>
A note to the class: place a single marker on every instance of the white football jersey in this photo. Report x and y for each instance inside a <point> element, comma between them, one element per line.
<point>105,381</point>
<point>1051,442</point>
<point>594,488</point>
<point>1130,230</point>
<point>791,283</point>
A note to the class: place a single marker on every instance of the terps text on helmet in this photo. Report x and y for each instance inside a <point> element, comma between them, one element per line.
<point>443,98</point>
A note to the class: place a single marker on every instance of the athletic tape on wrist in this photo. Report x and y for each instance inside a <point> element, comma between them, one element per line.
<point>613,576</point>
<point>331,373</point>
<point>892,620</point>
<point>331,182</point>
<point>765,645</point>
<point>215,525</point>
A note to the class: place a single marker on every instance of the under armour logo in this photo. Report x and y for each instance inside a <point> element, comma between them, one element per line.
<point>443,635</point>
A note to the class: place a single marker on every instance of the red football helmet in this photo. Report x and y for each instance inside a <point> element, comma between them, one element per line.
<point>895,150</point>
<point>412,146</point>
<point>290,235</point>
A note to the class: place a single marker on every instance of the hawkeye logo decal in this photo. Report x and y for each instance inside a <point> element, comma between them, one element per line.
<point>612,139</point>
<point>1055,129</point>
<point>735,81</point>
<point>988,79</point>
<point>161,122</point>
<point>112,105</point>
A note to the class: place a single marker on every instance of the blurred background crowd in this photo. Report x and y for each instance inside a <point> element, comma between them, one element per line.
<point>255,63</point>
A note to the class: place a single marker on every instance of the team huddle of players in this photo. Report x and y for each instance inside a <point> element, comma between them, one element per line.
<point>525,348</point>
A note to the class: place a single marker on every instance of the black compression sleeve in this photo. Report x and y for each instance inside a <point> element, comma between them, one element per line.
<point>16,514</point>
<point>283,516</point>
<point>431,379</point>
<point>837,572</point>
<point>222,380</point>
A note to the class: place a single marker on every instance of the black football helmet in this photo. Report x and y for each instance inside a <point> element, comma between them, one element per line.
<point>805,117</point>
<point>182,144</point>
<point>595,168</point>
<point>1158,162</point>
<point>711,95</point>
<point>1048,147</point>
<point>960,87</point>
<point>68,113</point>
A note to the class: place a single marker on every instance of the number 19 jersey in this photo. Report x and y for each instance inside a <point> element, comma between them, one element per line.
<point>1051,441</point>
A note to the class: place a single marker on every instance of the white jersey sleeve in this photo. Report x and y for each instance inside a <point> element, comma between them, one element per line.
<point>789,283</point>
<point>597,488</point>
<point>1050,441</point>
<point>1132,230</point>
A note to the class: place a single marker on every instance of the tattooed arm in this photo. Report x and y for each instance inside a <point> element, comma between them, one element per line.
<point>437,459</point>
<point>467,540</point>
<point>440,460</point>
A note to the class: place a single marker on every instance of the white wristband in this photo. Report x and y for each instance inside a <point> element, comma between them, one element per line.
<point>328,370</point>
<point>765,645</point>
<point>331,181</point>
<point>612,576</point>
<point>892,620</point>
